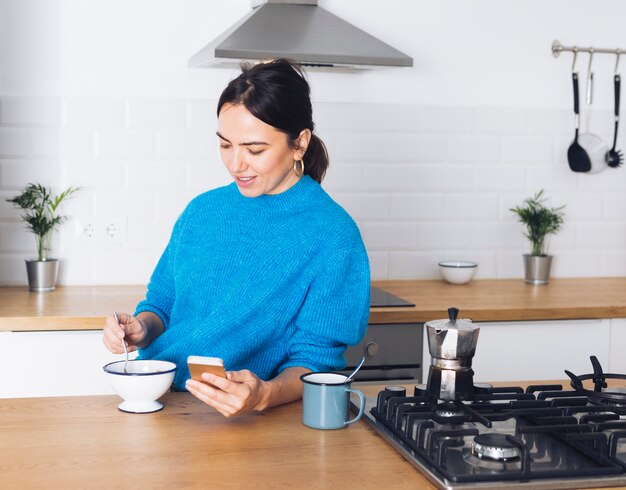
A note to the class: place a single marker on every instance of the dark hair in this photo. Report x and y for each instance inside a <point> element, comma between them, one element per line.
<point>277,93</point>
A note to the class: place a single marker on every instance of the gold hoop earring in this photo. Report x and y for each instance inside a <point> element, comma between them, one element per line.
<point>298,171</point>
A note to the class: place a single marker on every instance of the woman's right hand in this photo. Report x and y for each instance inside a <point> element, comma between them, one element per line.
<point>130,329</point>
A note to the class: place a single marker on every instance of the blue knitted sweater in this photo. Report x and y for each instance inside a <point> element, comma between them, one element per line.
<point>265,283</point>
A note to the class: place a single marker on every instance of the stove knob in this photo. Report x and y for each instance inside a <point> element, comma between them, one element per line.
<point>372,349</point>
<point>419,390</point>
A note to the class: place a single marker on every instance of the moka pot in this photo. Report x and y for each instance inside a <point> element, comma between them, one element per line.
<point>452,344</point>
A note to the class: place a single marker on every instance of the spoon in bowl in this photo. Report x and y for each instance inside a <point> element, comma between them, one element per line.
<point>123,344</point>
<point>349,378</point>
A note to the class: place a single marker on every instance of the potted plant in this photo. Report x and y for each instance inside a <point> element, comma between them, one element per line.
<point>540,222</point>
<point>41,219</point>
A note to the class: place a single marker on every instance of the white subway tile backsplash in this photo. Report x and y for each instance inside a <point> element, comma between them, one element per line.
<point>393,117</point>
<point>423,183</point>
<point>473,148</point>
<point>13,269</point>
<point>378,265</point>
<point>443,236</point>
<point>499,178</point>
<point>495,236</point>
<point>501,120</point>
<point>576,263</point>
<point>565,239</point>
<point>448,120</point>
<point>370,206</point>
<point>132,204</point>
<point>178,144</point>
<point>14,237</point>
<point>30,111</point>
<point>422,207</point>
<point>471,207</point>
<point>580,207</point>
<point>615,207</point>
<point>169,206</point>
<point>414,265</point>
<point>15,174</point>
<point>390,177</point>
<point>203,115</point>
<point>329,116</point>
<point>552,178</point>
<point>552,122</point>
<point>510,264</point>
<point>388,236</point>
<point>77,142</point>
<point>342,176</point>
<point>95,112</point>
<point>76,269</point>
<point>601,235</point>
<point>95,174</point>
<point>205,175</point>
<point>126,143</point>
<point>362,147</point>
<point>150,235</point>
<point>444,177</point>
<point>157,113</point>
<point>157,176</point>
<point>527,149</point>
<point>126,269</point>
<point>44,142</point>
<point>613,263</point>
<point>406,147</point>
<point>13,142</point>
<point>610,180</point>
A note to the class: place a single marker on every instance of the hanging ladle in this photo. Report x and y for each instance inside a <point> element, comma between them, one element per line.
<point>349,378</point>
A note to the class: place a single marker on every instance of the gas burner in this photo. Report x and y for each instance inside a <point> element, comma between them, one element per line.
<point>446,410</point>
<point>615,397</point>
<point>494,446</point>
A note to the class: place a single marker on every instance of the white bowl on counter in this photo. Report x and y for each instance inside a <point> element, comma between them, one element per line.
<point>458,271</point>
<point>143,383</point>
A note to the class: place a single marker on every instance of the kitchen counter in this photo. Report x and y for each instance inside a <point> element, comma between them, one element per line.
<point>84,307</point>
<point>85,442</point>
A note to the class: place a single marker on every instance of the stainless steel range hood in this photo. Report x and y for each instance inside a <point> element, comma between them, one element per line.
<point>301,31</point>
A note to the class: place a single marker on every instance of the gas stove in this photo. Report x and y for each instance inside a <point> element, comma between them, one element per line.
<point>544,436</point>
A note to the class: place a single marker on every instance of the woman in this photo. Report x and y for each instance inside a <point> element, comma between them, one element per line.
<point>268,273</point>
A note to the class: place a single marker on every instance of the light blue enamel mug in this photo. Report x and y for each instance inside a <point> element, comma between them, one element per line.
<point>326,401</point>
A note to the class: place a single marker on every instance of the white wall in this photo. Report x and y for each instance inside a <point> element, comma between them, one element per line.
<point>427,159</point>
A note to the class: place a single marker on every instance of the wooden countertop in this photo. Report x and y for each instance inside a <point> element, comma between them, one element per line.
<point>85,442</point>
<point>84,307</point>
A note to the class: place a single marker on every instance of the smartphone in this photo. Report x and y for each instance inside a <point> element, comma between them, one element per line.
<point>200,364</point>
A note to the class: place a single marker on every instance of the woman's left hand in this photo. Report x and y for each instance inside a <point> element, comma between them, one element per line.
<point>240,391</point>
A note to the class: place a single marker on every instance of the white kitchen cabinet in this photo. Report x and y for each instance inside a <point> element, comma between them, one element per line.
<point>55,363</point>
<point>537,350</point>
<point>617,351</point>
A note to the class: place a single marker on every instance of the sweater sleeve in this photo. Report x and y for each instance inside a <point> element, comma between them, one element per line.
<point>161,288</point>
<point>334,313</point>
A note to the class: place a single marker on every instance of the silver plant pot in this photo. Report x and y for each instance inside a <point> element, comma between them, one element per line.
<point>537,268</point>
<point>42,274</point>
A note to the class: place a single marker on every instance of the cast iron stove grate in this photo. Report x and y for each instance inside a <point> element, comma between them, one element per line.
<point>543,436</point>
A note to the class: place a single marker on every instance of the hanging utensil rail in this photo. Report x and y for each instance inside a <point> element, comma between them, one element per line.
<point>557,47</point>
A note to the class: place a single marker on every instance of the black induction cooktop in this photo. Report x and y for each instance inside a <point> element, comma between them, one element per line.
<point>380,298</point>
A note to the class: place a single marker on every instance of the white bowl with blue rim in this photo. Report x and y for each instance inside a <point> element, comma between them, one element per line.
<point>142,384</point>
<point>458,271</point>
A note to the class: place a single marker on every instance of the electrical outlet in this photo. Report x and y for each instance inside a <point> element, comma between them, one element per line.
<point>101,231</point>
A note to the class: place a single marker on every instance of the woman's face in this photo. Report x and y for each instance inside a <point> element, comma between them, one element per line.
<point>257,155</point>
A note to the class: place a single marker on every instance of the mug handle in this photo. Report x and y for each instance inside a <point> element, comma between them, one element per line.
<point>361,407</point>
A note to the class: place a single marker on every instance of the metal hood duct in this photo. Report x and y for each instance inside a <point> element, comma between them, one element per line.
<point>301,31</point>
